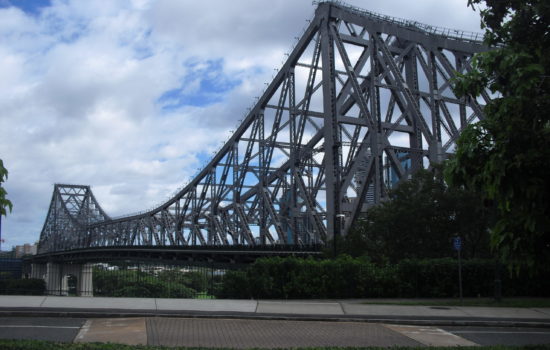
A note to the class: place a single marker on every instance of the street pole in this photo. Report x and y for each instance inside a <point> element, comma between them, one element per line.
<point>1,220</point>
<point>457,245</point>
<point>498,283</point>
<point>460,276</point>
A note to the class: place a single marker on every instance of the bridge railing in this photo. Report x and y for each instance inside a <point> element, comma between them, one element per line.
<point>436,30</point>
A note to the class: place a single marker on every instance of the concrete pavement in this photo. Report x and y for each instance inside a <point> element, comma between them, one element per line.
<point>272,309</point>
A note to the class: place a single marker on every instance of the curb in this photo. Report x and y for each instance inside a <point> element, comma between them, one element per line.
<point>327,318</point>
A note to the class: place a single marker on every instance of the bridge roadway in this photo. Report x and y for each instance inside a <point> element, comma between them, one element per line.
<point>170,254</point>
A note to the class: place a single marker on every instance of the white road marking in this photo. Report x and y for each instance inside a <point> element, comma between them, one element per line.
<point>431,336</point>
<point>498,332</point>
<point>82,333</point>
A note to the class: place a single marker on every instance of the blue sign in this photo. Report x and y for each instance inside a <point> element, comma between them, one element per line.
<point>457,243</point>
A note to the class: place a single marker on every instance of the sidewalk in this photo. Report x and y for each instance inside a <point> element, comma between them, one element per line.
<point>332,310</point>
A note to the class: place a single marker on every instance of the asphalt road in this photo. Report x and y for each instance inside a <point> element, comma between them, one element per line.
<point>40,328</point>
<point>265,333</point>
<point>502,335</point>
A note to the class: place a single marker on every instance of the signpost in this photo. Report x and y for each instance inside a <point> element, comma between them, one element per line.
<point>457,245</point>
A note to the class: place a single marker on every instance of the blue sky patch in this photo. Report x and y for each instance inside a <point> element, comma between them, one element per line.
<point>30,7</point>
<point>204,84</point>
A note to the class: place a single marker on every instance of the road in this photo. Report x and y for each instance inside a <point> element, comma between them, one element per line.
<point>241,333</point>
<point>502,335</point>
<point>40,328</point>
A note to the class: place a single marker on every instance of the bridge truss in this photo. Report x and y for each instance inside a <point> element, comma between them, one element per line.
<point>361,103</point>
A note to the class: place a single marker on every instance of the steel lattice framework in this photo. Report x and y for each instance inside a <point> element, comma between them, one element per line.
<point>362,101</point>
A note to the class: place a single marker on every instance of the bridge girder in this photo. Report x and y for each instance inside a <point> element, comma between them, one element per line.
<point>361,103</point>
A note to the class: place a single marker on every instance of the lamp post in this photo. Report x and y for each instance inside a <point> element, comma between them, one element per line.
<point>337,230</point>
<point>1,179</point>
<point>457,245</point>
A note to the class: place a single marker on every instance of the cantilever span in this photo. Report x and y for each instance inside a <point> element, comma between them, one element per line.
<point>361,103</point>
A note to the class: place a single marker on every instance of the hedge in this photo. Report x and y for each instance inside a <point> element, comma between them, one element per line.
<point>346,277</point>
<point>163,284</point>
<point>31,286</point>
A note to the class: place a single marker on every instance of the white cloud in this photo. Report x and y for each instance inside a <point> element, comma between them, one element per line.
<point>80,84</point>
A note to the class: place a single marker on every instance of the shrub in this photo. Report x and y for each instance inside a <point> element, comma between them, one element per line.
<point>31,286</point>
<point>346,277</point>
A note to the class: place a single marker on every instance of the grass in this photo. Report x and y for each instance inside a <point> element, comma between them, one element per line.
<point>45,345</point>
<point>487,302</point>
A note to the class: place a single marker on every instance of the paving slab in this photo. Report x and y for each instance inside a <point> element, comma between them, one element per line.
<point>131,331</point>
<point>431,336</point>
<point>100,303</point>
<point>209,305</point>
<point>21,301</point>
<point>400,310</point>
<point>502,312</point>
<point>299,308</point>
<point>270,334</point>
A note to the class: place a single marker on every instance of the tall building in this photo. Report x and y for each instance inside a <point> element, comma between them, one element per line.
<point>391,174</point>
<point>25,249</point>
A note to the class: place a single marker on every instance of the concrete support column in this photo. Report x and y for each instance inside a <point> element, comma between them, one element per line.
<point>85,282</point>
<point>53,278</point>
<point>64,290</point>
<point>38,271</point>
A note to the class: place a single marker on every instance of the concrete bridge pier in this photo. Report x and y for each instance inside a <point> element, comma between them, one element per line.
<point>38,271</point>
<point>85,286</point>
<point>53,279</point>
<point>57,277</point>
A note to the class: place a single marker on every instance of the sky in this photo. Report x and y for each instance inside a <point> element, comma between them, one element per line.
<point>131,97</point>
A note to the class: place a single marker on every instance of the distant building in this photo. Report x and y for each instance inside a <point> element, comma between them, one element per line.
<point>392,177</point>
<point>25,249</point>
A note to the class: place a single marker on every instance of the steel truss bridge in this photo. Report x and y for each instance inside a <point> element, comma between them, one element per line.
<point>361,103</point>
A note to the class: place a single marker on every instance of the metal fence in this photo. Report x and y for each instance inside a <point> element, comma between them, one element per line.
<point>10,268</point>
<point>152,280</point>
<point>121,279</point>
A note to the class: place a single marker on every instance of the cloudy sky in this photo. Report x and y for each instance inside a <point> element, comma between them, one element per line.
<point>132,96</point>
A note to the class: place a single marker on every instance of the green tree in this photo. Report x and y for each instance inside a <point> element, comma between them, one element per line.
<point>506,156</point>
<point>419,221</point>
<point>4,202</point>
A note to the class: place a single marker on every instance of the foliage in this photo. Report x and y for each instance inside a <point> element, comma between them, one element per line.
<point>291,278</point>
<point>506,155</point>
<point>31,286</point>
<point>235,285</point>
<point>419,221</point>
<point>347,277</point>
<point>4,202</point>
<point>158,284</point>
